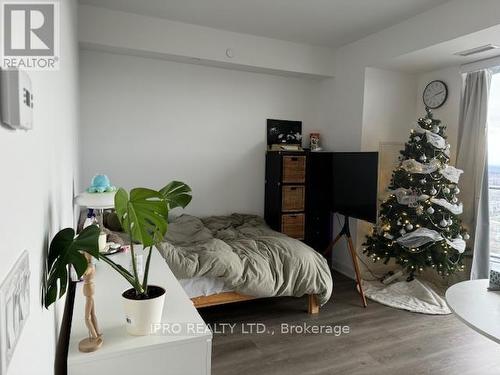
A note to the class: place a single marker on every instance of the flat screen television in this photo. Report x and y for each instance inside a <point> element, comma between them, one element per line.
<point>355,176</point>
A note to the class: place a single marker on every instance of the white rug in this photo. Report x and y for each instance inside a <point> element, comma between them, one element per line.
<point>416,296</point>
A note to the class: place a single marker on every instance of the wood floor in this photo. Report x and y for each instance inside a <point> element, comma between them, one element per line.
<point>381,340</point>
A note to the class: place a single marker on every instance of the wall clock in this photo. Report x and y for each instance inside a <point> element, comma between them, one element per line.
<point>435,94</point>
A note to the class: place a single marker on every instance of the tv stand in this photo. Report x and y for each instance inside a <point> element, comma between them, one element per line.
<point>345,231</point>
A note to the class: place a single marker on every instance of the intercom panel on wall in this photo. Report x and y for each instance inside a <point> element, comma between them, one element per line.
<point>16,99</point>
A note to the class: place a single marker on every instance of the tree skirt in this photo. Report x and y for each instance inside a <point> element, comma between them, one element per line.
<point>416,296</point>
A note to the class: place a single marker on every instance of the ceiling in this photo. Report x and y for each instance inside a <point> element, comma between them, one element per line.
<point>444,54</point>
<point>329,23</point>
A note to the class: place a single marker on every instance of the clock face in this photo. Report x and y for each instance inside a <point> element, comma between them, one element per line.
<point>435,94</point>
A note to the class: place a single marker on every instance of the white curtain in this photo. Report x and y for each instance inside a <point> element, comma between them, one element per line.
<point>472,157</point>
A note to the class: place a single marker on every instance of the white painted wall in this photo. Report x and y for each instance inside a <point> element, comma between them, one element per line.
<point>135,34</point>
<point>147,121</point>
<point>450,111</point>
<point>388,113</point>
<point>38,172</point>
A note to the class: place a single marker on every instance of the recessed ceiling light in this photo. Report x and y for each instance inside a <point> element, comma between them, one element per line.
<point>473,51</point>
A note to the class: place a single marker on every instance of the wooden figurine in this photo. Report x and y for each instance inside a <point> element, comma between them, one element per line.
<point>94,341</point>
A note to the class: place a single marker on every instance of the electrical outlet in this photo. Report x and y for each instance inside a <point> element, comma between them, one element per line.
<point>14,308</point>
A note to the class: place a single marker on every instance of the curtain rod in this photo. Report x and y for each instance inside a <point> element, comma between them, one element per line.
<point>488,63</point>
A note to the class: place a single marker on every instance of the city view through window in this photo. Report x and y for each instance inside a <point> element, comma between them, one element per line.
<point>494,165</point>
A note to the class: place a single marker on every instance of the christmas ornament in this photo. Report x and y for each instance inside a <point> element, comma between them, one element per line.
<point>409,227</point>
<point>456,190</point>
<point>419,210</point>
<point>450,222</point>
<point>433,191</point>
<point>466,236</point>
<point>430,210</point>
<point>443,223</point>
<point>446,190</point>
<point>454,199</point>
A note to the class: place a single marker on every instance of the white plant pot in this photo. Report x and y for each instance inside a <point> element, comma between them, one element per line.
<point>141,315</point>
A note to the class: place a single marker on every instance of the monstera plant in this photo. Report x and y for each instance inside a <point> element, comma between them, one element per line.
<point>143,214</point>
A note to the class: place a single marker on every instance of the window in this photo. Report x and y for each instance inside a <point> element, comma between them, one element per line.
<point>494,166</point>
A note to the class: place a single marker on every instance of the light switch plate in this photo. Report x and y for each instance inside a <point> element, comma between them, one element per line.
<point>14,308</point>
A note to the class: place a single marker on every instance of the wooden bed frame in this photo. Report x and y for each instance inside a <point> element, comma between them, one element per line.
<point>230,297</point>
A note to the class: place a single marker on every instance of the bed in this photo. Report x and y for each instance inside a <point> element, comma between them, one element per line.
<point>226,259</point>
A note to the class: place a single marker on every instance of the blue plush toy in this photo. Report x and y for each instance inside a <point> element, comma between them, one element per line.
<point>100,184</point>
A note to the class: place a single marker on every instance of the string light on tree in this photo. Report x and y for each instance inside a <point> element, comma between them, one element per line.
<point>421,217</point>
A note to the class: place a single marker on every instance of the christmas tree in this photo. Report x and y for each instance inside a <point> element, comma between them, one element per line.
<point>419,224</point>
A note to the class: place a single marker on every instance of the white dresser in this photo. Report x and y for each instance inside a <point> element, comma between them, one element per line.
<point>183,348</point>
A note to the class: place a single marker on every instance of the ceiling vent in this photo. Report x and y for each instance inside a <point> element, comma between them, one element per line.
<point>473,51</point>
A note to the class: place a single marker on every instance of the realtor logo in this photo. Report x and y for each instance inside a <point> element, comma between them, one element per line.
<point>30,35</point>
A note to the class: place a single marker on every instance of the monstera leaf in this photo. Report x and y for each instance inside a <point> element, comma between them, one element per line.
<point>143,215</point>
<point>176,194</point>
<point>66,249</point>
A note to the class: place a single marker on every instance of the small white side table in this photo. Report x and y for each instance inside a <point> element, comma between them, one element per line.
<point>187,352</point>
<point>477,307</point>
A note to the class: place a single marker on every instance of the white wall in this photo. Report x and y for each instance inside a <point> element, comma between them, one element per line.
<point>450,111</point>
<point>387,116</point>
<point>147,121</point>
<point>135,34</point>
<point>38,170</point>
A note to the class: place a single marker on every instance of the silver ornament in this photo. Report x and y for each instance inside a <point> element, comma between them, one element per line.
<point>430,210</point>
<point>454,200</point>
<point>466,236</point>
<point>433,191</point>
<point>409,226</point>
<point>450,222</point>
<point>443,223</point>
<point>446,190</point>
<point>457,190</point>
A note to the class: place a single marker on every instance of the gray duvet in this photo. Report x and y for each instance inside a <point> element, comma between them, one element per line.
<point>251,258</point>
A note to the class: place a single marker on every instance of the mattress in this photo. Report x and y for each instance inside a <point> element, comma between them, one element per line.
<point>203,286</point>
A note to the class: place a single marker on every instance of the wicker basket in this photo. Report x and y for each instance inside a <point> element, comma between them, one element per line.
<point>293,225</point>
<point>294,169</point>
<point>292,198</point>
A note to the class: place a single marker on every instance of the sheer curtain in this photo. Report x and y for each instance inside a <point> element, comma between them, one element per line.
<point>472,157</point>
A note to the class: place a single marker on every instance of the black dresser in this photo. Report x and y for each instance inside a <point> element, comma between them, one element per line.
<point>298,195</point>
